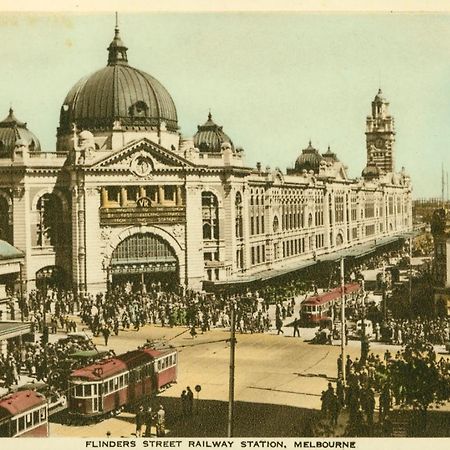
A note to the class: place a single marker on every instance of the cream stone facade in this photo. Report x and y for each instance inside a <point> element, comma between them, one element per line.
<point>126,196</point>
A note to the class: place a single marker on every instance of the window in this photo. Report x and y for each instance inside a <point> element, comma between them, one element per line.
<point>210,213</point>
<point>50,226</point>
<point>169,192</point>
<point>238,214</point>
<point>5,226</point>
<point>79,390</point>
<point>339,208</point>
<point>21,423</point>
<point>87,390</point>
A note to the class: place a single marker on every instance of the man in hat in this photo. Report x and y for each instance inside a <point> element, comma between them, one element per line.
<point>161,422</point>
<point>140,417</point>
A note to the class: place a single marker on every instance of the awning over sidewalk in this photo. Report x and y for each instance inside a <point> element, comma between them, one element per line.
<point>9,330</point>
<point>8,251</point>
<point>357,251</point>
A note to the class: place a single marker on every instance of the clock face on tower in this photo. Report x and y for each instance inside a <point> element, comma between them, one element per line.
<point>379,143</point>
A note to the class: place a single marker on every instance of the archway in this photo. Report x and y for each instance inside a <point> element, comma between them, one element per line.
<point>142,260</point>
<point>51,277</point>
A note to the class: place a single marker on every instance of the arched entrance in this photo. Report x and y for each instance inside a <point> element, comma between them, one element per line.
<point>51,277</point>
<point>143,259</point>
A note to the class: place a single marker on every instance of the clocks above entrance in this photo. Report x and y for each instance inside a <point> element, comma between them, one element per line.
<point>141,165</point>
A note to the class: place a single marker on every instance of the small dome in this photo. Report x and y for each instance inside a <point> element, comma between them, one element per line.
<point>14,133</point>
<point>210,137</point>
<point>118,92</point>
<point>309,159</point>
<point>330,156</point>
<point>371,171</point>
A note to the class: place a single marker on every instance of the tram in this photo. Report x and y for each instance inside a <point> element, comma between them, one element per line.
<point>106,387</point>
<point>318,307</point>
<point>23,414</point>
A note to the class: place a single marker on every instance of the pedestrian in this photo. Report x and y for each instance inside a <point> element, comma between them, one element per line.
<point>279,325</point>
<point>189,401</point>
<point>296,327</point>
<point>106,333</point>
<point>334,409</point>
<point>140,418</point>
<point>184,403</point>
<point>161,422</point>
<point>148,422</point>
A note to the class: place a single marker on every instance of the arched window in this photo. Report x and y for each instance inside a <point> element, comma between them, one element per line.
<point>339,240</point>
<point>5,227</point>
<point>238,212</point>
<point>210,212</point>
<point>50,226</point>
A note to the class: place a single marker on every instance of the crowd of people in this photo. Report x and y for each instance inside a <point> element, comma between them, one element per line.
<point>48,363</point>
<point>370,382</point>
<point>436,331</point>
<point>124,309</point>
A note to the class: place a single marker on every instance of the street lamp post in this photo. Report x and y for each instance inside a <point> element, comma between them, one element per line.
<point>364,346</point>
<point>343,322</point>
<point>232,362</point>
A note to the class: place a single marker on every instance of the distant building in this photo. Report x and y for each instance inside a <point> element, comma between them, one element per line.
<point>126,197</point>
<point>440,228</point>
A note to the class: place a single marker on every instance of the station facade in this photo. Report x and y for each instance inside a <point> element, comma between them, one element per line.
<point>126,197</point>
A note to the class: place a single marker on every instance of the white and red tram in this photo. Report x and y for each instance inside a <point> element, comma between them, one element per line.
<point>108,386</point>
<point>23,414</point>
<point>318,307</point>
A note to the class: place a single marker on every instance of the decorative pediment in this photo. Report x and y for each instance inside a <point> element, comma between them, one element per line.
<point>142,158</point>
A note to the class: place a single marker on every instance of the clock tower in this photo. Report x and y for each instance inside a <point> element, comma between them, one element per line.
<point>380,135</point>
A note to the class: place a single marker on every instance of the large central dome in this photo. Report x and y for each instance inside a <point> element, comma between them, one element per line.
<point>118,93</point>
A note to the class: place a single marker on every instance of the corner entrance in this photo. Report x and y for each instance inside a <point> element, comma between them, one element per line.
<point>142,260</point>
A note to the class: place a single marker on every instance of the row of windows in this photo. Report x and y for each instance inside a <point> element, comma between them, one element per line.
<point>212,274</point>
<point>123,196</point>
<point>320,240</point>
<point>258,253</point>
<point>20,424</point>
<point>256,225</point>
<point>293,247</point>
<point>118,382</point>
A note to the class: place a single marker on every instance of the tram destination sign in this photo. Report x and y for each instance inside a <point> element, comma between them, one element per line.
<point>142,216</point>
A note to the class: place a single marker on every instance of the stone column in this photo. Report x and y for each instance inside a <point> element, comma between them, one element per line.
<point>21,208</point>
<point>104,197</point>
<point>123,196</point>
<point>179,198</point>
<point>194,237</point>
<point>160,195</point>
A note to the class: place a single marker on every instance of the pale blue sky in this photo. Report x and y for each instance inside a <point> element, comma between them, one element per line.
<point>273,80</point>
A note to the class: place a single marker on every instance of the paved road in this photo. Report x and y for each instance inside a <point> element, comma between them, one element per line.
<point>270,370</point>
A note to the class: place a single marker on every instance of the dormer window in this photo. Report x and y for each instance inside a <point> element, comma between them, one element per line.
<point>138,109</point>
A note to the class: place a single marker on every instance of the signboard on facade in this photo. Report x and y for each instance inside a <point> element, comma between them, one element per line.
<point>142,215</point>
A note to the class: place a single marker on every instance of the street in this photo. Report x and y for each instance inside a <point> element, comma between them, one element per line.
<point>281,374</point>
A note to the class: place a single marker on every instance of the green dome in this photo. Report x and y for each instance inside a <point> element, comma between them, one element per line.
<point>210,137</point>
<point>118,92</point>
<point>14,132</point>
